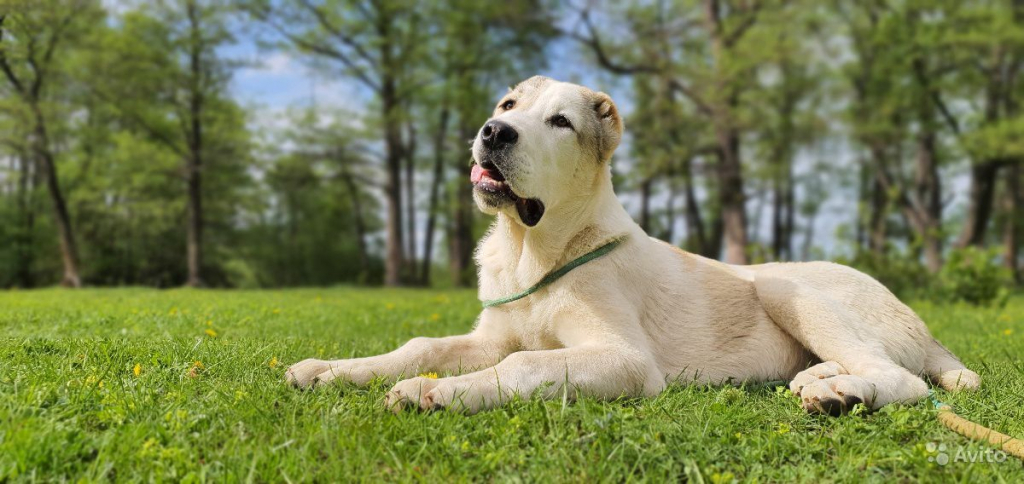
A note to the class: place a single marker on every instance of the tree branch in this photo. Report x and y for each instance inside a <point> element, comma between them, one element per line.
<point>594,42</point>
<point>691,95</point>
<point>326,24</point>
<point>748,21</point>
<point>141,122</point>
<point>51,47</point>
<point>5,65</point>
<point>320,49</point>
<point>935,95</point>
<point>602,57</point>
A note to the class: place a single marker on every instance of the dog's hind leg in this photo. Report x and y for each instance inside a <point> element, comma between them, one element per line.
<point>858,352</point>
<point>945,369</point>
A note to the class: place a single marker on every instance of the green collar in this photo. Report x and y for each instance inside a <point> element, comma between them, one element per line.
<point>558,273</point>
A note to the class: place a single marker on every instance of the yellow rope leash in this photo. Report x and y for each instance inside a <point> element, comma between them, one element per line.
<point>973,431</point>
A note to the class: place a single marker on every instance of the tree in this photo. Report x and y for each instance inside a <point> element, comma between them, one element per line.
<point>332,158</point>
<point>790,120</point>
<point>35,37</point>
<point>712,72</point>
<point>987,43</point>
<point>895,73</point>
<point>374,43</point>
<point>164,75</point>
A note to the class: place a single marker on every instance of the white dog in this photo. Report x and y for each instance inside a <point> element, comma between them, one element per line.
<point>645,313</point>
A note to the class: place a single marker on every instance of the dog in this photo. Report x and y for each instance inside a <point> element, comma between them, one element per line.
<point>645,314</point>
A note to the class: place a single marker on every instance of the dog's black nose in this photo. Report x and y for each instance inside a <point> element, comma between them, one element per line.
<point>497,135</point>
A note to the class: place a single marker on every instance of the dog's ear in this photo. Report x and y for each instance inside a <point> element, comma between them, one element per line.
<point>611,126</point>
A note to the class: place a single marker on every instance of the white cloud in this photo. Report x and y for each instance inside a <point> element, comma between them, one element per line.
<point>278,63</point>
<point>119,7</point>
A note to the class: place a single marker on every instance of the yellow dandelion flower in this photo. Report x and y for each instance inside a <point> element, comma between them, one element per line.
<point>1007,332</point>
<point>273,362</point>
<point>209,322</point>
<point>173,312</point>
<point>210,332</point>
<point>435,317</point>
<point>431,375</point>
<point>390,306</point>
<point>277,311</point>
<point>197,367</point>
<point>137,370</point>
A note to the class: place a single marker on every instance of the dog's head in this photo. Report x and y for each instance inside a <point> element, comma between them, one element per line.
<point>547,143</point>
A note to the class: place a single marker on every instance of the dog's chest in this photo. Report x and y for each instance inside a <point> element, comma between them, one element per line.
<point>529,323</point>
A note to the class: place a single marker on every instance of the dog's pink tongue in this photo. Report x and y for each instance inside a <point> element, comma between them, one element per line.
<point>477,174</point>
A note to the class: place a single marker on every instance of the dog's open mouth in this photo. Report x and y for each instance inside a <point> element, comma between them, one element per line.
<point>488,179</point>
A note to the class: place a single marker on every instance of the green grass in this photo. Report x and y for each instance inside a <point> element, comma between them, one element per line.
<point>71,406</point>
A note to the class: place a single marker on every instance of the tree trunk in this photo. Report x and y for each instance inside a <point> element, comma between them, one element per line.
<point>789,215</point>
<point>979,203</point>
<point>863,197</point>
<point>670,209</point>
<point>714,248</point>
<point>645,203</point>
<point>194,161</point>
<point>48,167</point>
<point>778,200</point>
<point>696,240</point>
<point>878,221</point>
<point>194,235</point>
<point>461,239</point>
<point>805,252</point>
<point>360,224</point>
<point>731,196</point>
<point>929,201</point>
<point>730,175</point>
<point>394,261</point>
<point>435,189</point>
<point>410,202</point>
<point>393,193</point>
<point>1013,203</point>
<point>782,187</point>
<point>27,184</point>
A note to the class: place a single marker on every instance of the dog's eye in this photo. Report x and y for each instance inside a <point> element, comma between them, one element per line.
<point>560,121</point>
<point>511,103</point>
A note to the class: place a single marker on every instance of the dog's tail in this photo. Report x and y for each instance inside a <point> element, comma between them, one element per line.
<point>945,369</point>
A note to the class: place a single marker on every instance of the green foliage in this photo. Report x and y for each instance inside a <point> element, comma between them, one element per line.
<point>73,409</point>
<point>902,274</point>
<point>975,276</point>
<point>972,275</point>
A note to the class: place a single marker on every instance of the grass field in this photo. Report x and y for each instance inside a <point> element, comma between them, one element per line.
<point>187,385</point>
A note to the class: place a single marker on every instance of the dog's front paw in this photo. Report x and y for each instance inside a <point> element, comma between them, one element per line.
<point>412,393</point>
<point>304,373</point>
<point>837,395</point>
<point>827,369</point>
